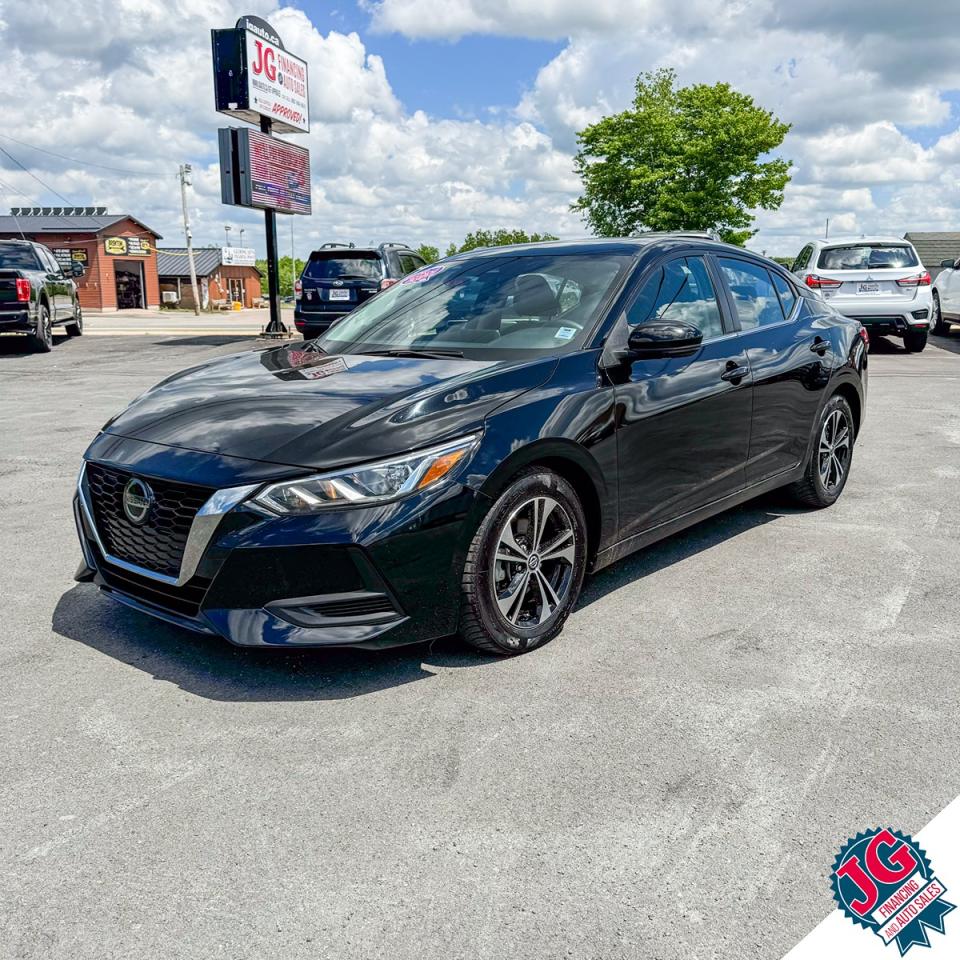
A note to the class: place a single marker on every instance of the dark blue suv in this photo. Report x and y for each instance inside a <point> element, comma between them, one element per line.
<point>338,277</point>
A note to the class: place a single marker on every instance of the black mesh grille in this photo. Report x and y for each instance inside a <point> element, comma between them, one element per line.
<point>157,545</point>
<point>354,607</point>
<point>184,600</point>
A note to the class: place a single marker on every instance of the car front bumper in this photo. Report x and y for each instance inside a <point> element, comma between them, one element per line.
<point>378,576</point>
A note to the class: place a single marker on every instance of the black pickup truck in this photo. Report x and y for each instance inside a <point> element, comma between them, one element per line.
<point>35,295</point>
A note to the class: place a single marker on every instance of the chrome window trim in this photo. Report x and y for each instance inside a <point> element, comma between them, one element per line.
<point>201,530</point>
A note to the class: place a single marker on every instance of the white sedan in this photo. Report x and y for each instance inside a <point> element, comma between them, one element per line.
<point>946,297</point>
<point>879,281</point>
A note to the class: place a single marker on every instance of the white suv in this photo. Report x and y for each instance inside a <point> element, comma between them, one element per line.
<point>877,280</point>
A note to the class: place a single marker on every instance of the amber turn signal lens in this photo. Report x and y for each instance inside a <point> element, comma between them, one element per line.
<point>441,467</point>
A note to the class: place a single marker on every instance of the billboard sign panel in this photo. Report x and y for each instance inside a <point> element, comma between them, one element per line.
<point>127,246</point>
<point>255,76</point>
<point>238,256</point>
<point>260,171</point>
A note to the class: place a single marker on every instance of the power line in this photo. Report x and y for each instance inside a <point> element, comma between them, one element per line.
<point>87,163</point>
<point>45,186</point>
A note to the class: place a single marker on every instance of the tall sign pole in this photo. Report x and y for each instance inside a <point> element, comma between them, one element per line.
<point>276,325</point>
<point>256,79</point>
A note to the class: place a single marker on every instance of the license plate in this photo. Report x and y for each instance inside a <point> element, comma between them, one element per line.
<point>339,294</point>
<point>868,288</point>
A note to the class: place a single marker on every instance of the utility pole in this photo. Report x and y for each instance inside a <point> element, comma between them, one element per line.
<point>185,170</point>
<point>293,263</point>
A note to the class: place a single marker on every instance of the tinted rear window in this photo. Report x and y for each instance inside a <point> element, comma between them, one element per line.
<point>330,266</point>
<point>868,256</point>
<point>18,258</point>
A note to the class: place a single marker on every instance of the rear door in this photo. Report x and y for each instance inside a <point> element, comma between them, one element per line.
<point>875,273</point>
<point>684,422</point>
<point>790,353</point>
<point>58,286</point>
<point>950,291</point>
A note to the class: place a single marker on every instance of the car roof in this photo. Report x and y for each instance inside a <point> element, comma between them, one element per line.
<point>870,238</point>
<point>628,245</point>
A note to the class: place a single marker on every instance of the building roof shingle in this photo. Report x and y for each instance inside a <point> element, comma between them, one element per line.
<point>935,246</point>
<point>173,261</point>
<point>67,224</point>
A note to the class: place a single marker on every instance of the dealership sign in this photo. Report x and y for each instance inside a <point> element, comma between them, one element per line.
<point>238,256</point>
<point>255,76</point>
<point>263,172</point>
<point>127,246</point>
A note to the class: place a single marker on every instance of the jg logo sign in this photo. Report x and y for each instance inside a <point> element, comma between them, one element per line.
<point>883,881</point>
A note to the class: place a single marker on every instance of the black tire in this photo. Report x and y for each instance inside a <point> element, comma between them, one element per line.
<point>529,620</point>
<point>42,340</point>
<point>941,327</point>
<point>816,489</point>
<point>75,327</point>
<point>915,340</point>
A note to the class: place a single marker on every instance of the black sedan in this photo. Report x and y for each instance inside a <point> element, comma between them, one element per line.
<point>459,451</point>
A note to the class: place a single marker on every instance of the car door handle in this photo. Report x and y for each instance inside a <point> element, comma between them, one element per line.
<point>820,346</point>
<point>734,373</point>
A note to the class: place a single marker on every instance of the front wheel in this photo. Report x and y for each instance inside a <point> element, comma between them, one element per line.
<point>525,566</point>
<point>941,327</point>
<point>915,340</point>
<point>75,327</point>
<point>830,459</point>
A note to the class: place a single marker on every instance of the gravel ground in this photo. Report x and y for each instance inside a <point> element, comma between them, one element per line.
<point>671,778</point>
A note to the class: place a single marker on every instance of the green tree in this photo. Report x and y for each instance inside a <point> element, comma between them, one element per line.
<point>784,261</point>
<point>496,238</point>
<point>683,158</point>
<point>430,254</point>
<point>286,270</point>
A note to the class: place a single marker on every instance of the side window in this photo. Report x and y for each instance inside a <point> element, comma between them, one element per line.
<point>680,290</point>
<point>803,258</point>
<point>787,297</point>
<point>409,263</point>
<point>753,292</point>
<point>49,263</point>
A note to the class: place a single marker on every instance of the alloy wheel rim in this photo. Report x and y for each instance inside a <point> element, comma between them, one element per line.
<point>533,563</point>
<point>834,450</point>
<point>47,328</point>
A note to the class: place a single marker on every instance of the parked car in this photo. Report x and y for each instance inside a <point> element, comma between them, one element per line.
<point>946,297</point>
<point>459,451</point>
<point>337,277</point>
<point>35,295</point>
<point>880,281</point>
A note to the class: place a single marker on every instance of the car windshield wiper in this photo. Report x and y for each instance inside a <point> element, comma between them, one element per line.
<point>413,352</point>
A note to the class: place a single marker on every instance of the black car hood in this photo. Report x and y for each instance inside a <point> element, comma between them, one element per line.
<point>294,406</point>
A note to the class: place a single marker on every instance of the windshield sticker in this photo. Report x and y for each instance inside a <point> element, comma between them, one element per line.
<point>422,275</point>
<point>565,333</point>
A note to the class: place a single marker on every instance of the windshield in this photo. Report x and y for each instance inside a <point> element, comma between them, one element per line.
<point>331,266</point>
<point>868,256</point>
<point>18,258</point>
<point>487,307</point>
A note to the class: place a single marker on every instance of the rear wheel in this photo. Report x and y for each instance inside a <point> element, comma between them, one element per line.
<point>42,339</point>
<point>830,458</point>
<point>915,340</point>
<point>941,327</point>
<point>75,327</point>
<point>525,566</point>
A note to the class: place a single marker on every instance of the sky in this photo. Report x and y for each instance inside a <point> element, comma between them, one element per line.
<point>434,118</point>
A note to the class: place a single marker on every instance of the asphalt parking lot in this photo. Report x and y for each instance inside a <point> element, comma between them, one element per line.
<point>670,778</point>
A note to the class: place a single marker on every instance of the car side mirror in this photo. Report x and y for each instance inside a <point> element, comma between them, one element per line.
<point>77,269</point>
<point>662,338</point>
<point>947,264</point>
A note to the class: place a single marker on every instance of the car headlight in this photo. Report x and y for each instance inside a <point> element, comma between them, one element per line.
<point>370,483</point>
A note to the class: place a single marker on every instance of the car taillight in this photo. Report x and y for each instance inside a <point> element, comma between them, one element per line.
<point>23,290</point>
<point>298,290</point>
<point>917,280</point>
<point>818,283</point>
<point>864,336</point>
<point>388,282</point>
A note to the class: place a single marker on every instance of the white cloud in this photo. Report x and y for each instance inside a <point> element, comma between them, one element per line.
<point>129,85</point>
